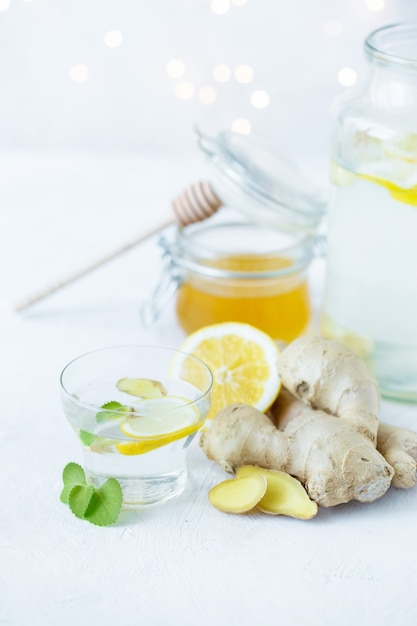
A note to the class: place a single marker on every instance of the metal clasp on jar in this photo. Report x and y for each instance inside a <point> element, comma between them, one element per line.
<point>170,279</point>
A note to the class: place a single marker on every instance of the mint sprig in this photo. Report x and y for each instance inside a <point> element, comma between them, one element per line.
<point>112,411</point>
<point>86,438</point>
<point>100,506</point>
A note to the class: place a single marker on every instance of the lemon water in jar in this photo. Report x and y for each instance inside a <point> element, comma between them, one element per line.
<point>371,291</point>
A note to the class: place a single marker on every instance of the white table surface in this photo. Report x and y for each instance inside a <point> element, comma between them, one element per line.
<point>184,562</point>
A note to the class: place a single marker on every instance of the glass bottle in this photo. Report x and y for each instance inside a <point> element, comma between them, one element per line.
<point>370,298</point>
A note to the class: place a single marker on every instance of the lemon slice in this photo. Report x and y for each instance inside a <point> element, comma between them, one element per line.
<point>164,420</point>
<point>243,361</point>
<point>160,416</point>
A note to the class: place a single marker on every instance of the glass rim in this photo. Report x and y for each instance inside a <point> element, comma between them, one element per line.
<point>96,407</point>
<point>375,43</point>
<point>188,253</point>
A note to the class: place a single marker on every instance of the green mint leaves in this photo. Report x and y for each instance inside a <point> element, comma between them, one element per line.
<point>86,438</point>
<point>112,411</point>
<point>100,506</point>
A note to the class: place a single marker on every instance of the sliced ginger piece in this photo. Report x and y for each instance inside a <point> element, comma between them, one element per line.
<point>285,495</point>
<point>142,387</point>
<point>238,495</point>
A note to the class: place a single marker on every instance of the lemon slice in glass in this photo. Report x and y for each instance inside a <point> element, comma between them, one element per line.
<point>160,416</point>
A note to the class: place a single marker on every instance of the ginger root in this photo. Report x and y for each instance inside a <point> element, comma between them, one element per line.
<point>399,447</point>
<point>326,439</point>
<point>328,376</point>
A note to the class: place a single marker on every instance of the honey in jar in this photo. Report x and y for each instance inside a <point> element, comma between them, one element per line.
<point>243,272</point>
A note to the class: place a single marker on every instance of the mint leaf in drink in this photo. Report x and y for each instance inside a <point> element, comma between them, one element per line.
<point>105,505</point>
<point>79,498</point>
<point>72,475</point>
<point>86,438</point>
<point>112,411</point>
<point>95,442</point>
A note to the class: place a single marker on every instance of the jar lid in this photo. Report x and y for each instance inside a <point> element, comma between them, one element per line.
<point>261,183</point>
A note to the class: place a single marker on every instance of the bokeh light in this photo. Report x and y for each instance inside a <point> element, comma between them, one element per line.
<point>260,99</point>
<point>113,39</point>
<point>347,76</point>
<point>219,7</point>
<point>222,73</point>
<point>79,73</point>
<point>241,125</point>
<point>244,74</point>
<point>375,5</point>
<point>175,68</point>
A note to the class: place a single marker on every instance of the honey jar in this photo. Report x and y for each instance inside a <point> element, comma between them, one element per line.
<point>249,261</point>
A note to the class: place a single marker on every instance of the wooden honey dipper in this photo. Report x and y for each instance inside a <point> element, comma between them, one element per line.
<point>195,204</point>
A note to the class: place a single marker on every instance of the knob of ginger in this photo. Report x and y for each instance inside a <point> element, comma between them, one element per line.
<point>325,438</point>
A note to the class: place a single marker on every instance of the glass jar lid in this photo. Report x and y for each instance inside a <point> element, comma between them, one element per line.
<point>262,184</point>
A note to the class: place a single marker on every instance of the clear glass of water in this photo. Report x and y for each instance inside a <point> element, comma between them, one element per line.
<point>135,410</point>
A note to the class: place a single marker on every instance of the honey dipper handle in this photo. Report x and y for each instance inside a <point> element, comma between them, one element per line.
<point>52,288</point>
<point>195,204</point>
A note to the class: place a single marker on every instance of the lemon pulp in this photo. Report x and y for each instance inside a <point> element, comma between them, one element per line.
<point>243,361</point>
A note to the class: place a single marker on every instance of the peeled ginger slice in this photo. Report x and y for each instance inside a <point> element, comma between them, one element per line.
<point>238,495</point>
<point>285,495</point>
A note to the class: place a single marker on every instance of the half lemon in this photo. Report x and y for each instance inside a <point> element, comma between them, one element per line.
<point>243,361</point>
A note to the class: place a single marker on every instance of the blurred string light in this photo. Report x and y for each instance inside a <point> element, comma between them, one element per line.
<point>244,74</point>
<point>241,125</point>
<point>175,68</point>
<point>222,73</point>
<point>260,99</point>
<point>4,5</point>
<point>347,76</point>
<point>375,5</point>
<point>219,7</point>
<point>79,73</point>
<point>113,39</point>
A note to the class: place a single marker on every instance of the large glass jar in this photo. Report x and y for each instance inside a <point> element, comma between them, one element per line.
<point>371,292</point>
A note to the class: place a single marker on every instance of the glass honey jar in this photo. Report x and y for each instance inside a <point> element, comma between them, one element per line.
<point>249,261</point>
